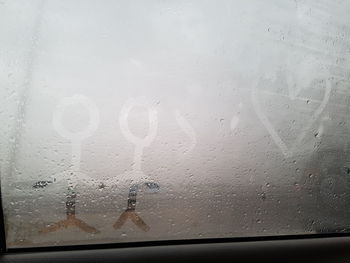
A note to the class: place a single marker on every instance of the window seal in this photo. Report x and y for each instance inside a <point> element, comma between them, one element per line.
<point>177,242</point>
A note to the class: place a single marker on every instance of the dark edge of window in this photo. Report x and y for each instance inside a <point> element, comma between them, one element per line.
<point>2,226</point>
<point>176,242</point>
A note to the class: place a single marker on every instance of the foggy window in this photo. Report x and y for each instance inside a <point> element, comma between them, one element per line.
<point>127,121</point>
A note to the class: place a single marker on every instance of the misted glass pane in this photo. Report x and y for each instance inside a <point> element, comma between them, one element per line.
<point>127,121</point>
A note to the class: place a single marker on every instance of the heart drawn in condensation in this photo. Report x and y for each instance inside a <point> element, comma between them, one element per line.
<point>289,151</point>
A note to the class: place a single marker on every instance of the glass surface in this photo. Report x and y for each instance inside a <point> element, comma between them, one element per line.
<point>140,120</point>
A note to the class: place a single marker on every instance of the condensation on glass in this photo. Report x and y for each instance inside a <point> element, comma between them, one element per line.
<point>128,121</point>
